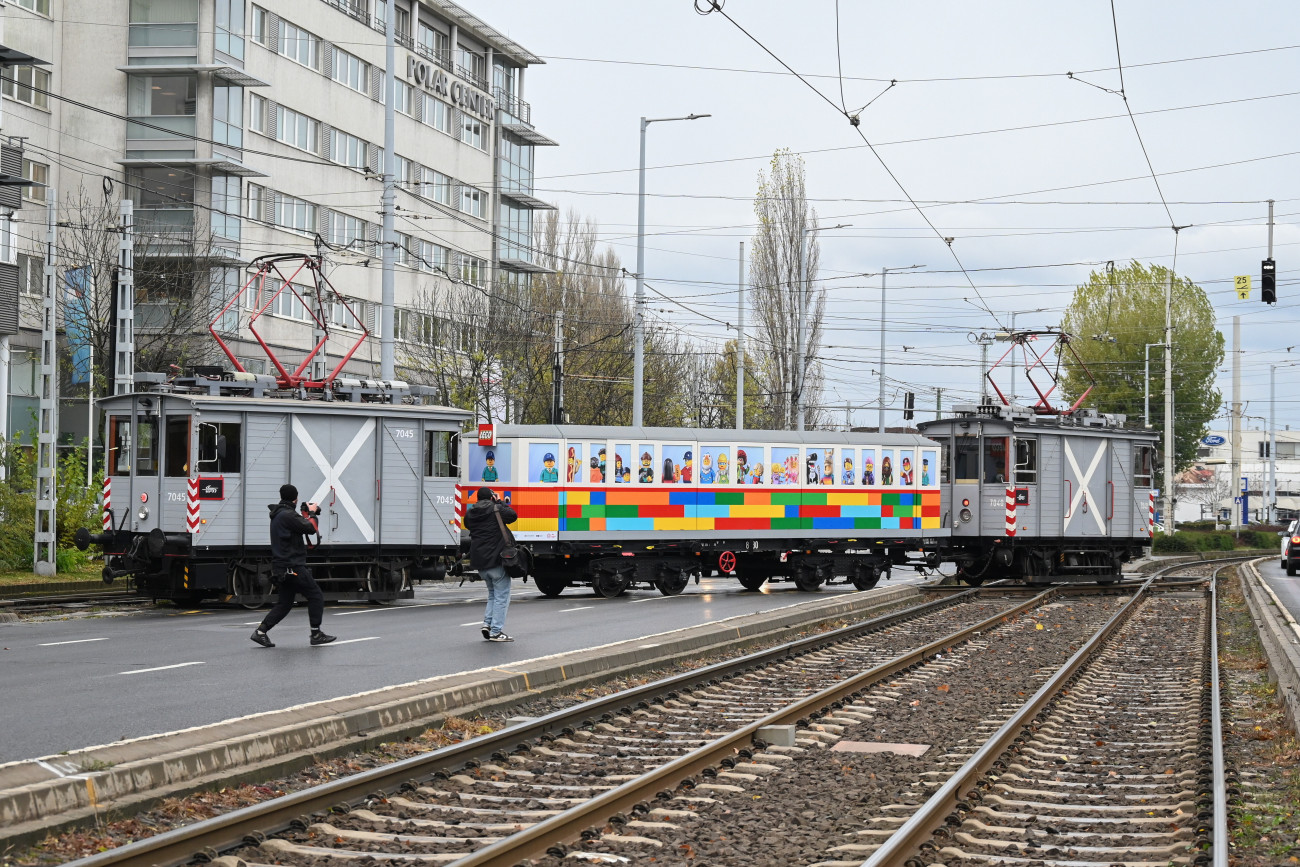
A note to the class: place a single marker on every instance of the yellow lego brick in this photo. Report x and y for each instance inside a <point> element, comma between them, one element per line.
<point>676,523</point>
<point>849,498</point>
<point>748,511</point>
<point>931,523</point>
<point>577,498</point>
<point>536,525</point>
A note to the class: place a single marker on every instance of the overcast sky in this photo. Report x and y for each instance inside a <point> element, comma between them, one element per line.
<point>983,109</point>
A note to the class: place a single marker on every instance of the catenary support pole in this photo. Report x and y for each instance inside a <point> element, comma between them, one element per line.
<point>46,536</point>
<point>880,372</point>
<point>1170,463</point>
<point>740,342</point>
<point>1235,432</point>
<point>124,309</point>
<point>1272,443</point>
<point>387,297</point>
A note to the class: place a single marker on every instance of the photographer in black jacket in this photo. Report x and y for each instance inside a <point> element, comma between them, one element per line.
<point>487,539</point>
<point>289,567</point>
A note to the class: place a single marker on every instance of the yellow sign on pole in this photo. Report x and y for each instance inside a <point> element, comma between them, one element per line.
<point>1243,287</point>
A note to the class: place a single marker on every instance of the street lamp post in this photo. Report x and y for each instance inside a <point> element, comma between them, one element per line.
<point>638,319</point>
<point>801,324</point>
<point>880,413</point>
<point>1146,384</point>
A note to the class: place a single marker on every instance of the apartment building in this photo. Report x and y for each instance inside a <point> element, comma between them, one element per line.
<point>257,126</point>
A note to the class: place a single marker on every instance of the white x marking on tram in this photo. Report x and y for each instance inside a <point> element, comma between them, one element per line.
<point>333,472</point>
<point>1085,479</point>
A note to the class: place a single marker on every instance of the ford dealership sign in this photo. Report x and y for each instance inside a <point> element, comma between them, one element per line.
<point>1213,440</point>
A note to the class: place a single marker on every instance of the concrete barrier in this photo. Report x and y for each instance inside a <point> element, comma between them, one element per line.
<point>1280,635</point>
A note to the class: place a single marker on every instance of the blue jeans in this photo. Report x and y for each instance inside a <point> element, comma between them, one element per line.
<point>498,588</point>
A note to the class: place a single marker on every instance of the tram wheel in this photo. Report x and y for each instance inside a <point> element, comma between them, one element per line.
<point>808,583</point>
<point>608,585</point>
<point>550,587</point>
<point>673,582</point>
<point>249,590</point>
<point>867,579</point>
<point>751,582</point>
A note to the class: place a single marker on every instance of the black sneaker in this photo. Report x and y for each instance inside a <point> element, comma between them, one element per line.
<point>500,636</point>
<point>487,631</point>
<point>318,638</point>
<point>262,638</point>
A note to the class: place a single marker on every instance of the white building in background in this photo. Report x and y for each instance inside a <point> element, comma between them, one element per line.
<point>264,120</point>
<point>1209,488</point>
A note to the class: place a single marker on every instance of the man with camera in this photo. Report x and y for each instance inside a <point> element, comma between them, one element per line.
<point>486,521</point>
<point>289,567</point>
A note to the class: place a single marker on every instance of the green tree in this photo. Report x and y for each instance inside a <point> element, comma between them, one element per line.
<point>1112,317</point>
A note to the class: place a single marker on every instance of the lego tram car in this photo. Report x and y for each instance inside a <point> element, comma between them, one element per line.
<point>1043,498</point>
<point>615,507</point>
<point>190,476</point>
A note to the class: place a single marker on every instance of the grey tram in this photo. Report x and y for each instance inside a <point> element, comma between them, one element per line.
<point>1043,498</point>
<point>191,471</point>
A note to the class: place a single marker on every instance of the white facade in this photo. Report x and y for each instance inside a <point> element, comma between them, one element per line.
<point>1197,502</point>
<point>263,121</point>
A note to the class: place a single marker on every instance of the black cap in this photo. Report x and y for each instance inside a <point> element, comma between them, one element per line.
<point>484,494</point>
<point>288,493</point>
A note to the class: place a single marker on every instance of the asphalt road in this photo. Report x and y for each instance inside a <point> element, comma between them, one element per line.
<point>85,681</point>
<point>1287,589</point>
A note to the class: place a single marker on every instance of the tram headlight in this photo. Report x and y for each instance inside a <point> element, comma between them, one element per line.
<point>143,513</point>
<point>964,514</point>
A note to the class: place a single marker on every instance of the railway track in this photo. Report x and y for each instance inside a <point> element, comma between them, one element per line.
<point>681,763</point>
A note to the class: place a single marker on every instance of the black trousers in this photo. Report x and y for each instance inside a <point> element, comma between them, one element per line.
<point>297,580</point>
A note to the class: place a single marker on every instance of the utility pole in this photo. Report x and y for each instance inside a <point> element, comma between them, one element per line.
<point>557,404</point>
<point>46,537</point>
<point>740,342</point>
<point>1171,462</point>
<point>388,202</point>
<point>1235,432</point>
<point>124,309</point>
<point>938,404</point>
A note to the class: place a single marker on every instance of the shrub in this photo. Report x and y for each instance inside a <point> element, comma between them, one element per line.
<point>1175,544</point>
<point>75,507</point>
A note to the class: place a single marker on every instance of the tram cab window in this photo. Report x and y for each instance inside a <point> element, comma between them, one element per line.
<point>966,460</point>
<point>995,461</point>
<point>1143,462</point>
<point>945,459</point>
<point>1026,462</point>
<point>439,454</point>
<point>119,445</point>
<point>219,447</point>
<point>146,446</point>
<point>176,449</point>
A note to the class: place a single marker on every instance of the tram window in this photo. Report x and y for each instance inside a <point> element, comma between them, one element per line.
<point>1143,462</point>
<point>146,447</point>
<point>995,460</point>
<point>966,458</point>
<point>438,454</point>
<point>119,445</point>
<point>219,447</point>
<point>176,450</point>
<point>1026,462</point>
<point>945,460</point>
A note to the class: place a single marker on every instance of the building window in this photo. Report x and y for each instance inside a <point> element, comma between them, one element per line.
<point>404,245</point>
<point>1144,459</point>
<point>31,275</point>
<point>161,95</point>
<point>162,187</point>
<point>431,43</point>
<point>348,150</point>
<point>401,169</point>
<point>225,206</point>
<point>473,201</point>
<point>472,66</point>
<point>295,214</point>
<point>516,230</point>
<point>289,305</point>
<point>1026,461</point>
<point>403,103</point>
<point>431,257</point>
<point>1286,450</point>
<point>473,270</point>
<point>24,83</point>
<point>471,132</point>
<point>437,113</point>
<point>7,238</point>
<point>516,164</point>
<point>230,28</point>
<point>299,46</point>
<point>348,231</point>
<point>164,23</point>
<point>351,71</point>
<point>297,129</point>
<point>256,202</point>
<point>40,173</point>
<point>228,115</point>
<point>435,185</point>
<point>257,113</point>
<point>258,29</point>
<point>41,6</point>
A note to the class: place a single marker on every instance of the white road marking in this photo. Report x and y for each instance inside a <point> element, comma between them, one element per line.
<point>78,641</point>
<point>579,608</point>
<point>391,608</point>
<point>350,641</point>
<point>160,668</point>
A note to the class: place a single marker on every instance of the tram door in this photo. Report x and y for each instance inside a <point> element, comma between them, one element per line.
<point>332,462</point>
<point>966,485</point>
<point>1087,486</point>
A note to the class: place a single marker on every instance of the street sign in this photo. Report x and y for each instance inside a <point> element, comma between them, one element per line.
<point>1242,285</point>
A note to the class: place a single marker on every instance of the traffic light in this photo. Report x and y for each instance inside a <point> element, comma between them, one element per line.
<point>1268,292</point>
<point>909,402</point>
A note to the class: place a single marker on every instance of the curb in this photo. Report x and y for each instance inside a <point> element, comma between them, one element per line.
<point>45,795</point>
<point>1280,635</point>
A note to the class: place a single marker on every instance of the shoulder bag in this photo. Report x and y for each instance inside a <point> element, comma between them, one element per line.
<point>513,558</point>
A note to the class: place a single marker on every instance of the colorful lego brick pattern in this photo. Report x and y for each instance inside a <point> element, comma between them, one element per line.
<point>632,510</point>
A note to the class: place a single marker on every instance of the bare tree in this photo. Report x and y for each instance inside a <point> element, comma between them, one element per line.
<point>782,276</point>
<point>181,282</point>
